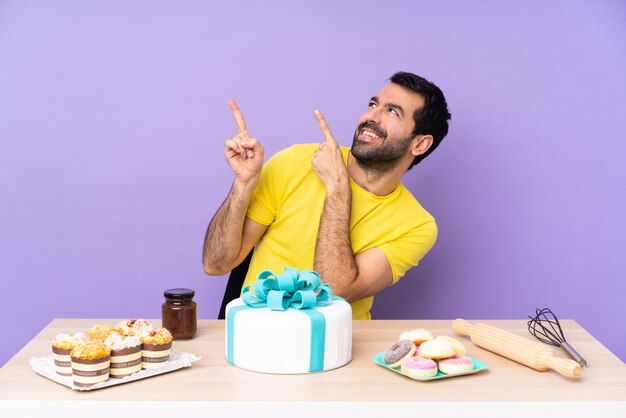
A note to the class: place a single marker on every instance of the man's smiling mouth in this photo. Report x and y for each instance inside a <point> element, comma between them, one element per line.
<point>370,134</point>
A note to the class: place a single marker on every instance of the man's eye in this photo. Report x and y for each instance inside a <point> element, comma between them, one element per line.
<point>393,111</point>
<point>371,104</point>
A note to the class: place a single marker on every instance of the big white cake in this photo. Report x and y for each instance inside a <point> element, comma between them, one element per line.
<point>290,341</point>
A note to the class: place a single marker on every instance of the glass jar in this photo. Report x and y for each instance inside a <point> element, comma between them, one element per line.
<point>179,313</point>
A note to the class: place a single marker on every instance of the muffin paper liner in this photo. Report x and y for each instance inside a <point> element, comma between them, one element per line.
<point>45,367</point>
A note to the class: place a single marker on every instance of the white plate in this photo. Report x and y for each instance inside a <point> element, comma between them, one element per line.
<point>45,367</point>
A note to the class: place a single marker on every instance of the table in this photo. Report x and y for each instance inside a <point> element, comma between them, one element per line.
<point>362,388</point>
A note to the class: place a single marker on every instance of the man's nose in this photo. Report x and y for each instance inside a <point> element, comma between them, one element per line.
<point>373,115</point>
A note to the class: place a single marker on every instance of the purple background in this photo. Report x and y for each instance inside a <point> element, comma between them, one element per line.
<point>113,117</point>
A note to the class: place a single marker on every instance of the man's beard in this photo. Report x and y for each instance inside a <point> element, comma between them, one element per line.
<point>383,157</point>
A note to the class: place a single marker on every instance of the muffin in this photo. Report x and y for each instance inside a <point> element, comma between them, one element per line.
<point>90,363</point>
<point>62,345</point>
<point>125,355</point>
<point>157,345</point>
<point>133,327</point>
<point>100,332</point>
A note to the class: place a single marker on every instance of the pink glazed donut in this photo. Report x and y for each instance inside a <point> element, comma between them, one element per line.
<point>459,363</point>
<point>418,367</point>
<point>398,351</point>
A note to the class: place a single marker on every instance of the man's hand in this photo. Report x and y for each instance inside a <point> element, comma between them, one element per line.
<point>231,235</point>
<point>243,152</point>
<point>333,258</point>
<point>328,162</point>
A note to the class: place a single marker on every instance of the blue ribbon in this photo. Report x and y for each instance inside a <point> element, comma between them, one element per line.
<point>290,289</point>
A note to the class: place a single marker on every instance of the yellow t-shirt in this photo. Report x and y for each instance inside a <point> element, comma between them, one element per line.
<point>290,198</point>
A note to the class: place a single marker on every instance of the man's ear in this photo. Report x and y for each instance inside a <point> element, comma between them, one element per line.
<point>422,144</point>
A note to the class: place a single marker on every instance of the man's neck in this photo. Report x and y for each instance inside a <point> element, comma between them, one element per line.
<point>374,181</point>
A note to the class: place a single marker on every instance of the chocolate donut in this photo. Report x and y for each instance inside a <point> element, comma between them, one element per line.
<point>398,351</point>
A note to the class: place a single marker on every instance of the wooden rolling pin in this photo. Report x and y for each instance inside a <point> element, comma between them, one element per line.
<point>516,348</point>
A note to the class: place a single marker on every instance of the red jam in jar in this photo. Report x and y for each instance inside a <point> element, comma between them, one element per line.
<point>179,313</point>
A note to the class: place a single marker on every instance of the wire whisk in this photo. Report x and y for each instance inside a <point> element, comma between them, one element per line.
<point>546,328</point>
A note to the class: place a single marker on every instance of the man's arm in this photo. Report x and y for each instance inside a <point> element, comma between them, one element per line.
<point>351,277</point>
<point>231,235</point>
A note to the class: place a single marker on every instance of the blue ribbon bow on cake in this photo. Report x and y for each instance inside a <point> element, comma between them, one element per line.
<point>290,289</point>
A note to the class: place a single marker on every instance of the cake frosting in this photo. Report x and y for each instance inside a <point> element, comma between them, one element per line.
<point>91,350</point>
<point>100,332</point>
<point>133,327</point>
<point>118,342</point>
<point>303,334</point>
<point>69,341</point>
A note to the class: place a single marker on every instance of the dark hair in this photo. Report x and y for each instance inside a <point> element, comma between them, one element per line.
<point>432,119</point>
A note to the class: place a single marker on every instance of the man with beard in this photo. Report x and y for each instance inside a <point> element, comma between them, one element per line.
<point>342,212</point>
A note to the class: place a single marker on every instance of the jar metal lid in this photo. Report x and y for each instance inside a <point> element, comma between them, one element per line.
<point>179,293</point>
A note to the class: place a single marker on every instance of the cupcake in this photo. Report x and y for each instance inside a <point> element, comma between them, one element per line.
<point>157,345</point>
<point>61,347</point>
<point>90,363</point>
<point>125,355</point>
<point>100,332</point>
<point>133,327</point>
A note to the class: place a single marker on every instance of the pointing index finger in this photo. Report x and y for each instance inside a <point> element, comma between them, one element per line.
<point>241,123</point>
<point>328,136</point>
